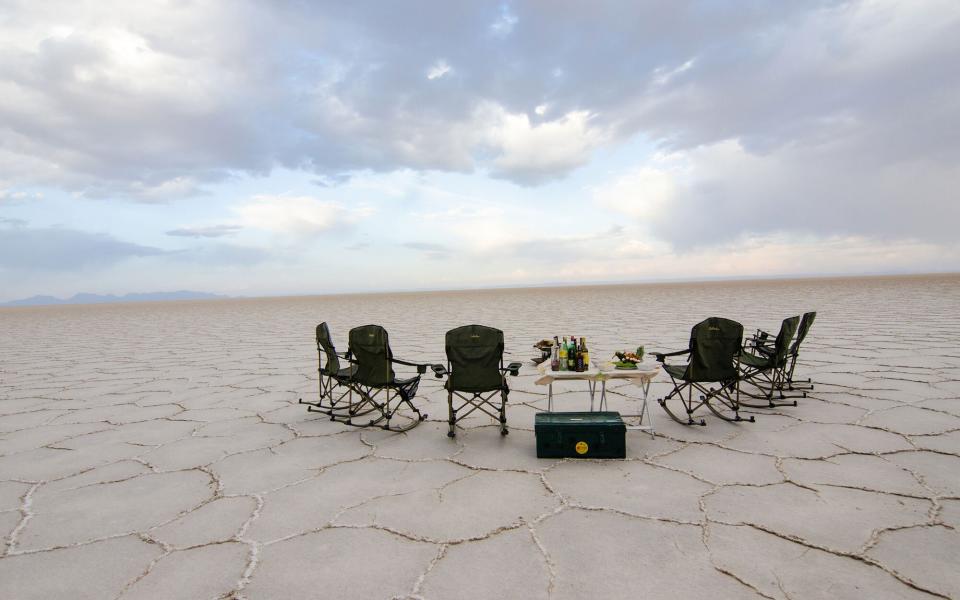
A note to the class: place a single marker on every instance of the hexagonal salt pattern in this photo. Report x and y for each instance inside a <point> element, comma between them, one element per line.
<point>90,571</point>
<point>160,452</point>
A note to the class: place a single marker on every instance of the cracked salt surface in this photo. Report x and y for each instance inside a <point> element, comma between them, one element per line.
<point>157,451</point>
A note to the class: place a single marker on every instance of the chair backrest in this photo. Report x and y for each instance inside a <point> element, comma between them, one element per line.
<point>475,353</point>
<point>782,344</point>
<point>325,347</point>
<point>802,330</point>
<point>714,345</point>
<point>370,348</point>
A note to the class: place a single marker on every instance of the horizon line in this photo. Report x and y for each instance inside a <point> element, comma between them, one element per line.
<point>537,285</point>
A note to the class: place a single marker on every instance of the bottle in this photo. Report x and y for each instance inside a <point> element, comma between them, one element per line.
<point>572,354</point>
<point>562,356</point>
<point>586,354</point>
<point>580,368</point>
<point>555,355</point>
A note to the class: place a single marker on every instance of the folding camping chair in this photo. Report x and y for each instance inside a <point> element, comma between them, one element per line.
<point>379,389</point>
<point>334,381</point>
<point>712,356</point>
<point>766,367</point>
<point>805,323</point>
<point>762,338</point>
<point>476,375</point>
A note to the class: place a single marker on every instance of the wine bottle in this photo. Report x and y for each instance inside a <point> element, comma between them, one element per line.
<point>563,355</point>
<point>580,368</point>
<point>572,354</point>
<point>586,354</point>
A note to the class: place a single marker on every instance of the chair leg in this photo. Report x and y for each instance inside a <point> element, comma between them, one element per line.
<point>779,383</point>
<point>721,403</point>
<point>772,381</point>
<point>686,403</point>
<point>452,416</point>
<point>400,397</point>
<point>802,386</point>
<point>503,413</point>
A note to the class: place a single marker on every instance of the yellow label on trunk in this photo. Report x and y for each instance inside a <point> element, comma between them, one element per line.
<point>581,447</point>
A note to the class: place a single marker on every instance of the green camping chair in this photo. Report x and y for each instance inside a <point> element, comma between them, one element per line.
<point>712,356</point>
<point>476,375</point>
<point>806,385</point>
<point>379,389</point>
<point>334,380</point>
<point>765,368</point>
<point>762,338</point>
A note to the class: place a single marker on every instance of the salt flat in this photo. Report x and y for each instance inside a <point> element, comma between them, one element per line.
<point>157,451</point>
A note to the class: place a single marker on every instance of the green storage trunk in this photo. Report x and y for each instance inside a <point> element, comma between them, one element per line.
<point>580,435</point>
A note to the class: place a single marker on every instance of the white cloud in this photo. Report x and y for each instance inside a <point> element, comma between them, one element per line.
<point>505,23</point>
<point>296,215</point>
<point>438,70</point>
<point>205,231</point>
<point>643,193</point>
<point>530,153</point>
<point>664,75</point>
<point>120,98</point>
<point>718,192</point>
<point>161,191</point>
<point>632,249</point>
<point>789,124</point>
<point>462,211</point>
<point>16,196</point>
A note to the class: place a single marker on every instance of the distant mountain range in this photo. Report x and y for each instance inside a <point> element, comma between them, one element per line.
<point>104,299</point>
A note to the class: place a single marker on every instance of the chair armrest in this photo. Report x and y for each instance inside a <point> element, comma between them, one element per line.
<point>760,345</point>
<point>513,368</point>
<point>421,367</point>
<point>439,371</point>
<point>766,350</point>
<point>760,338</point>
<point>661,355</point>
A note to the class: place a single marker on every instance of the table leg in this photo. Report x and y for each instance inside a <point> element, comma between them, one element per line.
<point>592,386</point>
<point>603,394</point>
<point>645,409</point>
<point>550,397</point>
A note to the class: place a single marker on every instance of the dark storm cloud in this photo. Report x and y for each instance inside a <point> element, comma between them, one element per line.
<point>53,249</point>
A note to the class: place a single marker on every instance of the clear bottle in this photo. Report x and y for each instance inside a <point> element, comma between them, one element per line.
<point>586,354</point>
<point>562,355</point>
<point>555,355</point>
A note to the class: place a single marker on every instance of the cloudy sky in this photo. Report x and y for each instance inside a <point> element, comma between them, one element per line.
<point>258,148</point>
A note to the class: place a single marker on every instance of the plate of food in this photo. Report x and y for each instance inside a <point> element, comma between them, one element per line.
<point>627,361</point>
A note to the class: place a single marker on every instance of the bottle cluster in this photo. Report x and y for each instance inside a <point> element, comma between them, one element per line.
<point>570,355</point>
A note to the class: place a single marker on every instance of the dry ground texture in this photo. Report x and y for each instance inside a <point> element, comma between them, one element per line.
<point>157,451</point>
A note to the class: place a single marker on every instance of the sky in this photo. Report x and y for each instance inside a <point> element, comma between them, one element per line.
<point>271,148</point>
